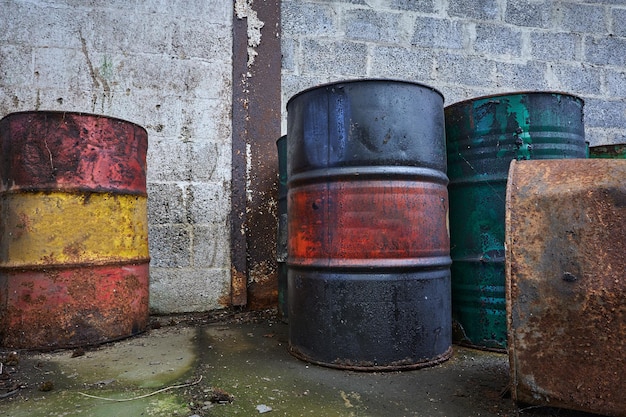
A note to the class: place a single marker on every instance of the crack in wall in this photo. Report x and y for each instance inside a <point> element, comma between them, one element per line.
<point>97,80</point>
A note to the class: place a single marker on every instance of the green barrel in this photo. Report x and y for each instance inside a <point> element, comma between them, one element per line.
<point>483,136</point>
<point>616,151</point>
<point>281,241</point>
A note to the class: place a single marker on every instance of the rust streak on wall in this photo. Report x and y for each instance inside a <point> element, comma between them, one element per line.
<point>256,127</point>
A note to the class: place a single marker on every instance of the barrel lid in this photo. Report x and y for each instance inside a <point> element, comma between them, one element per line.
<point>68,113</point>
<point>513,93</point>
<point>364,80</point>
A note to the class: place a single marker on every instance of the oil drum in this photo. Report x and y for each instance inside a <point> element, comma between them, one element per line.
<point>368,243</point>
<point>74,235</point>
<point>614,151</point>
<point>483,136</point>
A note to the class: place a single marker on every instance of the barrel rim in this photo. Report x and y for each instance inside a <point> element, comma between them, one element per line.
<point>514,93</point>
<point>361,172</point>
<point>364,81</point>
<point>71,113</point>
<point>406,365</point>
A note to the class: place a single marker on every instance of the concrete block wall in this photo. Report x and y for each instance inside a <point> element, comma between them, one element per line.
<point>165,65</point>
<point>466,49</point>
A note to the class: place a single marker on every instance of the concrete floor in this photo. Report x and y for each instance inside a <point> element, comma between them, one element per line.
<point>237,364</point>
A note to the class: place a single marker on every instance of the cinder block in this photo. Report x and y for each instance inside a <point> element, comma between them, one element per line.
<point>176,290</point>
<point>197,38</point>
<point>115,30</point>
<point>210,246</point>
<point>552,47</point>
<point>602,136</point>
<point>170,246</point>
<point>498,40</point>
<point>17,65</point>
<point>578,79</point>
<point>208,203</point>
<point>54,27</point>
<point>464,70</point>
<point>483,9</point>
<point>618,17</point>
<point>70,69</point>
<point>616,83</point>
<point>309,19</point>
<point>424,6</point>
<point>321,56</point>
<point>606,51</point>
<point>589,18</point>
<point>529,13</point>
<point>168,160</point>
<point>288,49</point>
<point>439,33</point>
<point>401,63</point>
<point>211,162</point>
<point>377,26</point>
<point>604,113</point>
<point>166,204</point>
<point>293,84</point>
<point>529,76</point>
<point>211,11</point>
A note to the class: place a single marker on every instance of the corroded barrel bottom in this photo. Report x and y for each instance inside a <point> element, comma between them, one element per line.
<point>394,320</point>
<point>62,307</point>
<point>479,304</point>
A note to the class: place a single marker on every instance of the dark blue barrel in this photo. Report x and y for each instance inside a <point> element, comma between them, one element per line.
<point>369,261</point>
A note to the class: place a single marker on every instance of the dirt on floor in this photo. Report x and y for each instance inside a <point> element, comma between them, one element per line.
<point>236,363</point>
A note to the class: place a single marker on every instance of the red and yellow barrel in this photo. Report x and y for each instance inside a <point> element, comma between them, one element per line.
<point>74,258</point>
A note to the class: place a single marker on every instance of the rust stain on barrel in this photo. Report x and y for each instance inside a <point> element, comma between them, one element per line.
<point>566,239</point>
<point>74,260</point>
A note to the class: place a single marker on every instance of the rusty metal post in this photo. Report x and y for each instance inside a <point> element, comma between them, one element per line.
<point>74,256</point>
<point>256,125</point>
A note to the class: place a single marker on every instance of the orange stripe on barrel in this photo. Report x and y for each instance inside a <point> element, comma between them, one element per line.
<point>368,223</point>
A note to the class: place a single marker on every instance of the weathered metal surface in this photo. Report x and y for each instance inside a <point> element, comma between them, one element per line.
<point>256,125</point>
<point>73,230</point>
<point>74,151</point>
<point>483,136</point>
<point>281,240</point>
<point>566,239</point>
<point>368,262</point>
<point>64,307</point>
<point>615,151</point>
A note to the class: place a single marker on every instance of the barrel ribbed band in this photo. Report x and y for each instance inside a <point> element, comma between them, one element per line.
<point>369,224</point>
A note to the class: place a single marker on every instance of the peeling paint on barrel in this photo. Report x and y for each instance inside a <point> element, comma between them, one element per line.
<point>74,258</point>
<point>483,135</point>
<point>566,239</point>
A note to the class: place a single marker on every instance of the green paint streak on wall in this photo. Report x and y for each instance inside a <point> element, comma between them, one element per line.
<point>106,68</point>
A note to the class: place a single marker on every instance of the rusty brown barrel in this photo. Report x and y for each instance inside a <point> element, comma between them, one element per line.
<point>566,286</point>
<point>74,236</point>
<point>368,245</point>
<point>483,135</point>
